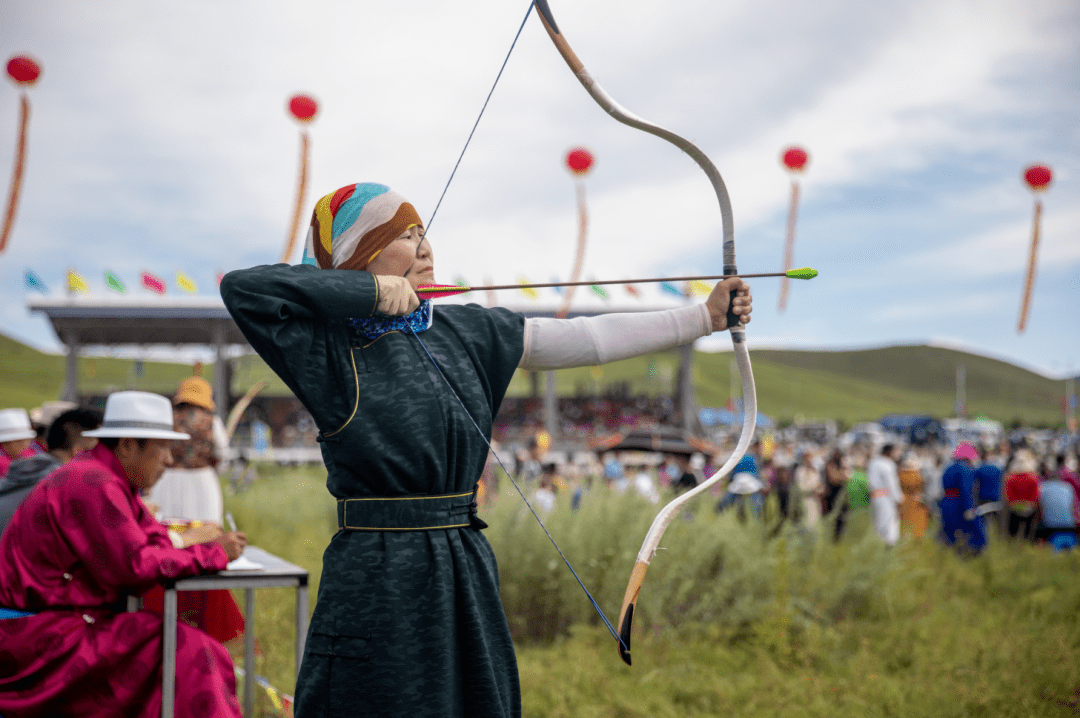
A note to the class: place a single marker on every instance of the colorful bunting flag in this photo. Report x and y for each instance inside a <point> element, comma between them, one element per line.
<point>154,284</point>
<point>186,283</point>
<point>633,291</point>
<point>271,692</point>
<point>529,292</point>
<point>76,283</point>
<point>460,282</point>
<point>282,702</point>
<point>599,291</point>
<point>696,286</point>
<point>220,276</point>
<point>558,290</point>
<point>34,282</point>
<point>114,282</point>
<point>670,289</point>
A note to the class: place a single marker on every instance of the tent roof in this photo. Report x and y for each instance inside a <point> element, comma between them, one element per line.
<point>139,320</point>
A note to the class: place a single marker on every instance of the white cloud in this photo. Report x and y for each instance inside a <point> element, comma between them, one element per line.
<point>159,140</point>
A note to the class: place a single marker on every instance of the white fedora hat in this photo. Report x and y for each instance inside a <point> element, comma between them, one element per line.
<point>137,415</point>
<point>15,425</point>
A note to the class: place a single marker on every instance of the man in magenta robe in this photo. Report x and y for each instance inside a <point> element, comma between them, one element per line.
<point>76,547</point>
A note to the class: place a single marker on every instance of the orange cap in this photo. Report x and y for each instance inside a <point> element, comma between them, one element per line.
<point>195,390</point>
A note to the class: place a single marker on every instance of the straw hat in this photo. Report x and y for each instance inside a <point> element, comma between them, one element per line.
<point>195,390</point>
<point>48,412</point>
<point>15,425</point>
<point>1024,462</point>
<point>137,415</point>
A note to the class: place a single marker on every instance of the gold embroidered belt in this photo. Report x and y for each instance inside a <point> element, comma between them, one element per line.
<point>409,513</point>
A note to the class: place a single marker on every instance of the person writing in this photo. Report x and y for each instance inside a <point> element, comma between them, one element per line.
<point>408,619</point>
<point>77,546</point>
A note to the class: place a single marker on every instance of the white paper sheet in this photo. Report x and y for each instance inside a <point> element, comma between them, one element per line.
<point>243,564</point>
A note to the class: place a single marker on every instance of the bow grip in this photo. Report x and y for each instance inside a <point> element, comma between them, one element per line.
<point>733,319</point>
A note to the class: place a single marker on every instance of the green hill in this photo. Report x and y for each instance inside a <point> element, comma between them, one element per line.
<point>850,386</point>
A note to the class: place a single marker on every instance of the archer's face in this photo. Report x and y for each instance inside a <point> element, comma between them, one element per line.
<point>409,256</point>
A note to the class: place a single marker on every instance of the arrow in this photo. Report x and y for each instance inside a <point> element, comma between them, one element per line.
<point>435,291</point>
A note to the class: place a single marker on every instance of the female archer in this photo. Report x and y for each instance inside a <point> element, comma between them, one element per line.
<point>408,619</point>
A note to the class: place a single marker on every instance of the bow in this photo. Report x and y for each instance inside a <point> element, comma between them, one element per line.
<point>738,332</point>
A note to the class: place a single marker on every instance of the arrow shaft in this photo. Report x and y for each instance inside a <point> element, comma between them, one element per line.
<point>610,281</point>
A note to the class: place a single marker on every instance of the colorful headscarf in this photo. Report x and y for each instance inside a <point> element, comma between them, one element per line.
<point>351,226</point>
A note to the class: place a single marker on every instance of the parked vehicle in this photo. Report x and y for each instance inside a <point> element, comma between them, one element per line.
<point>981,432</point>
<point>916,429</point>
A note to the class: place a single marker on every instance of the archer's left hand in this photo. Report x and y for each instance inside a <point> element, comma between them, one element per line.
<point>721,296</point>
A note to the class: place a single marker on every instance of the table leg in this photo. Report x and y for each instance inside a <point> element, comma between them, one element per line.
<point>301,623</point>
<point>168,658</point>
<point>249,652</point>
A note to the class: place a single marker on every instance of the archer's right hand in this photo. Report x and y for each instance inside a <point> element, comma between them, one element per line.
<point>396,296</point>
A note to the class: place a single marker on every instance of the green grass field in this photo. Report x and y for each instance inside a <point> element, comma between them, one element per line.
<point>730,621</point>
<point>850,386</point>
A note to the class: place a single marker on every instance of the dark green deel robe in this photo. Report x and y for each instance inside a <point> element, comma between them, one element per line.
<point>406,623</point>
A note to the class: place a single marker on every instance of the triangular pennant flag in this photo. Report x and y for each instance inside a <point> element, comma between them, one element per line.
<point>186,283</point>
<point>76,283</point>
<point>460,281</point>
<point>633,291</point>
<point>670,289</point>
<point>220,276</point>
<point>696,286</point>
<point>34,282</point>
<point>154,284</point>
<point>558,290</point>
<point>114,282</point>
<point>599,291</point>
<point>528,291</point>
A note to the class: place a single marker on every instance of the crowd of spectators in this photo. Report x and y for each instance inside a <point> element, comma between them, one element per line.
<point>966,493</point>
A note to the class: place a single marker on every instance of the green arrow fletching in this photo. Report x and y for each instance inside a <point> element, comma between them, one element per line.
<point>802,273</point>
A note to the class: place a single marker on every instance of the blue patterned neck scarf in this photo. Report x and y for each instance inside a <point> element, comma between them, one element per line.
<point>374,327</point>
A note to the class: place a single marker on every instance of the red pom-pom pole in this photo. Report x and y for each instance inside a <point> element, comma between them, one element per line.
<point>579,161</point>
<point>794,159</point>
<point>303,108</point>
<point>24,71</point>
<point>1038,178</point>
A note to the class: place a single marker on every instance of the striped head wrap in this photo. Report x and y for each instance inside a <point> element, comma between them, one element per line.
<point>351,226</point>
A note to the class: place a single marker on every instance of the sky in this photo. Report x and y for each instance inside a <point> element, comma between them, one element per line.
<point>159,141</point>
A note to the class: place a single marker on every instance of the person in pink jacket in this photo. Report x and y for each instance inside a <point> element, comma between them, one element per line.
<point>76,548</point>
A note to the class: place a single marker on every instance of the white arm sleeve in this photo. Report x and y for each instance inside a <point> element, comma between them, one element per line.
<point>588,341</point>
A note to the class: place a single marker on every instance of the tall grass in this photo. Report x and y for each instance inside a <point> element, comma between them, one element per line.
<point>734,619</point>
<point>710,568</point>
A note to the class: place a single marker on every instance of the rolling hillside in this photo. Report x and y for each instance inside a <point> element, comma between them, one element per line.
<point>850,386</point>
